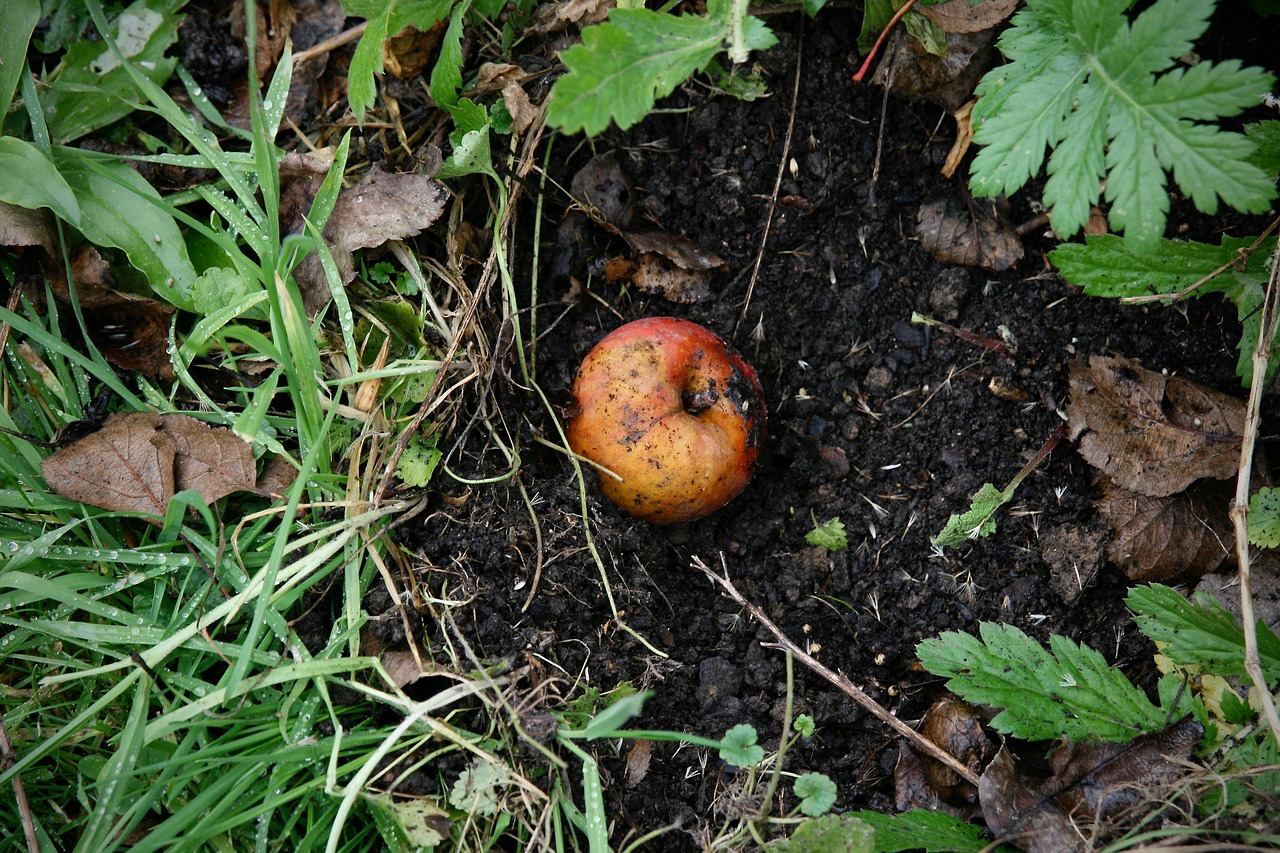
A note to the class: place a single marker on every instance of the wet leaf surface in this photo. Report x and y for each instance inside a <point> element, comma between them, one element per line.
<point>1153,434</point>
<point>139,460</point>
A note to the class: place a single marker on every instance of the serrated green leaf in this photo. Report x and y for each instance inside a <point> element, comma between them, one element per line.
<point>121,210</point>
<point>91,89</point>
<point>471,153</point>
<point>817,793</point>
<point>32,181</point>
<point>626,63</point>
<point>385,18</point>
<point>830,834</point>
<point>931,831</point>
<point>1102,93</point>
<point>478,789</point>
<point>739,746</point>
<point>1070,693</point>
<point>977,521</point>
<point>418,462</point>
<point>1265,136</point>
<point>1110,267</point>
<point>1201,633</point>
<point>1264,518</point>
<point>830,535</point>
<point>446,74</point>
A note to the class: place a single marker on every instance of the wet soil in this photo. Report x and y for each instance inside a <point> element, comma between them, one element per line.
<point>887,425</point>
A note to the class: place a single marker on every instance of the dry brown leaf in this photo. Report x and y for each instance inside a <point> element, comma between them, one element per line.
<point>555,16</point>
<point>383,206</point>
<point>131,331</point>
<point>403,668</point>
<point>655,274</point>
<point>1168,538</point>
<point>139,460</point>
<point>605,190</point>
<point>1015,811</point>
<point>20,226</point>
<point>957,229</point>
<point>960,16</point>
<point>1091,783</point>
<point>924,782</point>
<point>1153,434</point>
<point>277,476</point>
<point>911,72</point>
<point>964,138</point>
<point>638,759</point>
<point>408,53</point>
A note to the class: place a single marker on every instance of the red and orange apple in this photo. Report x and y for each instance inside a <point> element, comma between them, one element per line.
<point>673,414</point>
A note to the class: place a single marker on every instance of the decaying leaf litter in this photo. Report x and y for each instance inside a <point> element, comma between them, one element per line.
<point>879,422</point>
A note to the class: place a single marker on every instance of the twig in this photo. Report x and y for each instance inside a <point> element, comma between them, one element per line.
<point>777,182</point>
<point>331,44</point>
<point>1240,507</point>
<point>854,692</point>
<point>875,48</point>
<point>7,760</point>
<point>1236,262</point>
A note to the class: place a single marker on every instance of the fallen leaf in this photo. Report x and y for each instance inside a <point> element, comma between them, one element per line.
<point>556,16</point>
<point>1153,434</point>
<point>382,207</point>
<point>277,476</point>
<point>407,53</point>
<point>964,138</point>
<point>958,229</point>
<point>131,331</point>
<point>1015,812</point>
<point>924,782</point>
<point>909,71</point>
<point>20,226</point>
<point>137,461</point>
<point>1090,783</point>
<point>638,759</point>
<point>605,190</point>
<point>961,16</point>
<point>1168,538</point>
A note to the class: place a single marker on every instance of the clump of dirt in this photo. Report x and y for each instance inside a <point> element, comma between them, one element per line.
<point>888,425</point>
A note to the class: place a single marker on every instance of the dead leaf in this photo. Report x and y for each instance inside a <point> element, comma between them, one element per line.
<point>1104,779</point>
<point>131,331</point>
<point>1090,783</point>
<point>139,460</point>
<point>1153,434</point>
<point>909,71</point>
<point>20,226</point>
<point>960,16</point>
<point>301,175</point>
<point>958,229</point>
<point>556,16</point>
<point>403,668</point>
<point>1017,813</point>
<point>605,190</point>
<point>1168,538</point>
<point>407,53</point>
<point>638,760</point>
<point>656,274</point>
<point>382,207</point>
<point>964,138</point>
<point>277,476</point>
<point>924,782</point>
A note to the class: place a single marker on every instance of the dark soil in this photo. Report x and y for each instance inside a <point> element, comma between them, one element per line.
<point>887,425</point>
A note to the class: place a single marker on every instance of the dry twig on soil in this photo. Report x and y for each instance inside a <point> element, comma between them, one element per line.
<point>839,680</point>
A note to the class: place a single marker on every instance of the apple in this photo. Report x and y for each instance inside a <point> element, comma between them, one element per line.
<point>673,414</point>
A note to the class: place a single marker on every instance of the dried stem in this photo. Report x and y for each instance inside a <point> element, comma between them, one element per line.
<point>1240,508</point>
<point>921,743</point>
<point>7,760</point>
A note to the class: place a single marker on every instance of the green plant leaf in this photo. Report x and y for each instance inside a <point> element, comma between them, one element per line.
<point>418,462</point>
<point>625,64</point>
<point>933,832</point>
<point>471,153</point>
<point>1070,692</point>
<point>92,89</point>
<point>1201,632</point>
<point>977,521</point>
<point>32,181</point>
<point>817,793</point>
<point>1265,135</point>
<point>804,725</point>
<point>120,209</point>
<point>1264,518</point>
<point>830,834</point>
<point>1103,94</point>
<point>20,19</point>
<point>446,74</point>
<point>739,746</point>
<point>830,535</point>
<point>1110,267</point>
<point>386,18</point>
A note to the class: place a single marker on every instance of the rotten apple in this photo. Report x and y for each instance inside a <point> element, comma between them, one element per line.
<point>673,414</point>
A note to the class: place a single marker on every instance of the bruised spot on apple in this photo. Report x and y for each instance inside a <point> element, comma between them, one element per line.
<point>675,412</point>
